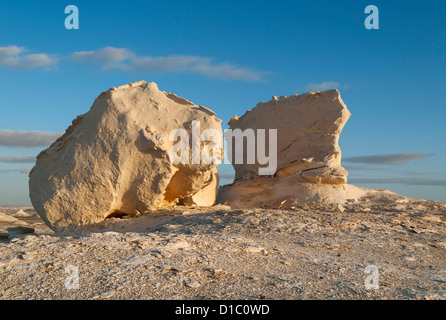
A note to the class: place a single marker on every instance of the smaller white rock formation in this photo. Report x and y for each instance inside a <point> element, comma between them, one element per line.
<point>6,218</point>
<point>22,214</point>
<point>308,155</point>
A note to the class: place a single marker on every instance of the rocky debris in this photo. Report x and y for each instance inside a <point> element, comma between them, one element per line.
<point>23,214</point>
<point>18,231</point>
<point>178,245</point>
<point>8,221</point>
<point>138,260</point>
<point>308,155</point>
<point>221,253</point>
<point>9,218</point>
<point>255,248</point>
<point>191,283</point>
<point>7,261</point>
<point>6,218</point>
<point>104,295</point>
<point>114,160</point>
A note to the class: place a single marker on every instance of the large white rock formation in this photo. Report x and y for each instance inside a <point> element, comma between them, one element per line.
<point>114,160</point>
<point>308,155</point>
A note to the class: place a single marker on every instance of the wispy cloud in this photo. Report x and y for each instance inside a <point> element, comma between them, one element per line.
<point>365,170</point>
<point>108,57</point>
<point>406,181</point>
<point>24,170</point>
<point>17,58</point>
<point>387,159</point>
<point>123,59</point>
<point>226,175</point>
<point>323,86</point>
<point>17,159</point>
<point>19,138</point>
<point>126,60</point>
<point>5,171</point>
<point>353,167</point>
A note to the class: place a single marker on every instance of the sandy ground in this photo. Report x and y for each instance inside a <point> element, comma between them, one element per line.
<point>222,253</point>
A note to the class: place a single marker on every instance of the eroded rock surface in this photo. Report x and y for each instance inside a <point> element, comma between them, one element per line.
<point>218,253</point>
<point>114,159</point>
<point>308,128</point>
<point>308,155</point>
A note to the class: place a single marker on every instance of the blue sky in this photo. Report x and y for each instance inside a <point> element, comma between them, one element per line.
<point>228,56</point>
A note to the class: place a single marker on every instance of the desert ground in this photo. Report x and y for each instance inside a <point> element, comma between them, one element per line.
<point>302,252</point>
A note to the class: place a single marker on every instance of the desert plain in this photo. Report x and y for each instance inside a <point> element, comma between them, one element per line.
<point>216,252</point>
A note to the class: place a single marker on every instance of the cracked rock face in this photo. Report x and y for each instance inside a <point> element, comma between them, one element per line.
<point>114,159</point>
<point>308,155</point>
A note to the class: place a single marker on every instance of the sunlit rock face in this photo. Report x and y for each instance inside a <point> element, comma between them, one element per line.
<point>114,159</point>
<point>307,153</point>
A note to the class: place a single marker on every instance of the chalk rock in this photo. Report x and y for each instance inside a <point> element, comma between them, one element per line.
<point>308,157</point>
<point>308,128</point>
<point>115,159</point>
<point>22,214</point>
<point>18,231</point>
<point>6,218</point>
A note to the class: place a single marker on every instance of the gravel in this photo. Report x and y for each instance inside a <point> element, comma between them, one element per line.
<point>364,251</point>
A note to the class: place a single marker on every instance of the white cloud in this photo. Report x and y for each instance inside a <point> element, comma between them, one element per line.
<point>5,171</point>
<point>30,139</point>
<point>227,71</point>
<point>24,170</point>
<point>363,168</point>
<point>168,63</point>
<point>323,86</point>
<point>109,57</point>
<point>126,60</point>
<point>16,58</point>
<point>405,181</point>
<point>17,159</point>
<point>388,159</point>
